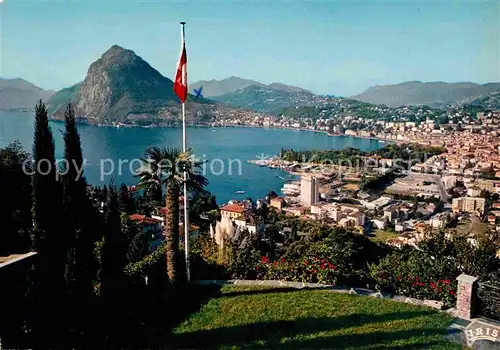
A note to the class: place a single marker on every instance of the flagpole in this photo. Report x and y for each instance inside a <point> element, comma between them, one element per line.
<point>186,201</point>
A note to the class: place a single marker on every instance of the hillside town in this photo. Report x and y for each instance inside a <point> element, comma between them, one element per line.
<point>457,190</point>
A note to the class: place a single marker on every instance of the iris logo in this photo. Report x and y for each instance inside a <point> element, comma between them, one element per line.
<point>480,331</point>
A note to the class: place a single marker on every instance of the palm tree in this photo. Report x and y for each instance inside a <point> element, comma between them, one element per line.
<point>166,167</point>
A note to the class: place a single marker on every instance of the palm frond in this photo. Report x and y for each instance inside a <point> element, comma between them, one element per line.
<point>167,166</point>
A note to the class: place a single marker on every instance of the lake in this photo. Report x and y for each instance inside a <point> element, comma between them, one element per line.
<point>111,153</point>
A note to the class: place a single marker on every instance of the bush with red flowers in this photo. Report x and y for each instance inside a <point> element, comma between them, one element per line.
<point>309,269</point>
<point>417,276</point>
<point>430,270</point>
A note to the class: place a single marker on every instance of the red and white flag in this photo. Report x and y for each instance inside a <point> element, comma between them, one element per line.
<point>180,84</point>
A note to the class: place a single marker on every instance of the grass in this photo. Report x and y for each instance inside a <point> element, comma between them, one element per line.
<point>383,235</point>
<point>466,227</point>
<point>260,317</point>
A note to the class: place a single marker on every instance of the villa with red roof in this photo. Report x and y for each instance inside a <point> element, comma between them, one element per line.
<point>232,211</point>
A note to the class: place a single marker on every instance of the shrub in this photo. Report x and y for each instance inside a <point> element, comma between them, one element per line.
<point>313,270</point>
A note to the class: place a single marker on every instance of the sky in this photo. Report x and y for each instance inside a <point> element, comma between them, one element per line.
<point>328,47</point>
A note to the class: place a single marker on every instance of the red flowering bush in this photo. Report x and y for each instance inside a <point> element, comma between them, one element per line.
<point>313,270</point>
<point>320,270</point>
<point>416,276</point>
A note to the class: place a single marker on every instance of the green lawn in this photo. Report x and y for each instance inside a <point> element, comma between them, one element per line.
<point>383,235</point>
<point>466,227</point>
<point>253,317</point>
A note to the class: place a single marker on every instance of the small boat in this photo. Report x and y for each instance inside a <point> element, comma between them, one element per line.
<point>239,192</point>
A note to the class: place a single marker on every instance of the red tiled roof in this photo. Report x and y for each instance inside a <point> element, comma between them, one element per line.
<point>137,217</point>
<point>235,208</point>
<point>142,219</point>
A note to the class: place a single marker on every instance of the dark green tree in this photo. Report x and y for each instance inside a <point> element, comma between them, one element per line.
<point>48,233</point>
<point>126,200</point>
<point>113,254</point>
<point>154,195</point>
<point>79,214</point>
<point>15,213</point>
<point>200,206</point>
<point>15,185</point>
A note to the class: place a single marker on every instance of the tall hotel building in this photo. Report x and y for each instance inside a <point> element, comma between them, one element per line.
<point>309,190</point>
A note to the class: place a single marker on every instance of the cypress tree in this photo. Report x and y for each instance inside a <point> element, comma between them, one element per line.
<point>114,252</point>
<point>113,260</point>
<point>79,215</point>
<point>48,231</point>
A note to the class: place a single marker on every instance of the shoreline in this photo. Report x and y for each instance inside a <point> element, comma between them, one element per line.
<point>381,140</point>
<point>118,126</point>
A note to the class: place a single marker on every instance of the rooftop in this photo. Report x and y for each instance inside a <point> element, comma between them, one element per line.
<point>143,219</point>
<point>235,208</point>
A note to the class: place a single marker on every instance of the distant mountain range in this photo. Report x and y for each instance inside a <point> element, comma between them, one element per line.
<point>214,88</point>
<point>250,94</point>
<point>122,87</point>
<point>434,94</point>
<point>265,99</point>
<point>272,98</point>
<point>18,93</point>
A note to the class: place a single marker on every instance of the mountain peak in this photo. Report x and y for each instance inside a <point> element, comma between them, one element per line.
<point>117,54</point>
<point>115,49</point>
<point>117,85</point>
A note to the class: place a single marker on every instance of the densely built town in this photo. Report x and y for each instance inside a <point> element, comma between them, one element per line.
<point>457,189</point>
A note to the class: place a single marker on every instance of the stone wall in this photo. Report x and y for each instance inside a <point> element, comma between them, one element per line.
<point>339,289</point>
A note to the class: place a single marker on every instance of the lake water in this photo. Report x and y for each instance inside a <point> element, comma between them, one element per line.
<point>226,150</point>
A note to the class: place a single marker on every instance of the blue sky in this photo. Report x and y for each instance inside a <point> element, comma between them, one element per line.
<point>329,47</point>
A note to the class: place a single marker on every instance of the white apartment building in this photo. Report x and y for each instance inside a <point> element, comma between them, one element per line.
<point>468,204</point>
<point>309,190</point>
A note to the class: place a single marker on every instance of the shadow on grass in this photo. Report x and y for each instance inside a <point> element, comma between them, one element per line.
<point>140,323</point>
<point>269,334</point>
<point>375,340</point>
<point>156,324</point>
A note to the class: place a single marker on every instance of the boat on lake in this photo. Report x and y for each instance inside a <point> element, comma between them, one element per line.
<point>239,192</point>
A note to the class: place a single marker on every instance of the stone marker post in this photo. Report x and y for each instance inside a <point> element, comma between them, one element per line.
<point>466,296</point>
